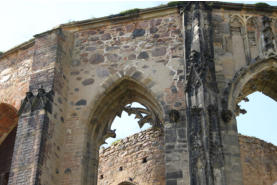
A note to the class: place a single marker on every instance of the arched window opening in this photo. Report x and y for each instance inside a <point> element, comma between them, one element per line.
<point>133,119</point>
<point>6,153</point>
<point>125,98</point>
<point>258,117</point>
<point>8,127</point>
<point>257,128</point>
<point>253,99</point>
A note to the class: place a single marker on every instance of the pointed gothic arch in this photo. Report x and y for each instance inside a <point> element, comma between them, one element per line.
<point>122,92</point>
<point>259,76</point>
<point>8,120</point>
<point>8,127</point>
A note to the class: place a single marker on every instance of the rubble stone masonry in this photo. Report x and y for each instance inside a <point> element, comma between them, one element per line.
<point>188,63</point>
<point>139,159</point>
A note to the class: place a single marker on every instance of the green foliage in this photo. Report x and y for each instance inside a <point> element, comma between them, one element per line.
<point>262,5</point>
<point>116,142</point>
<point>176,3</point>
<point>130,12</point>
<point>210,3</point>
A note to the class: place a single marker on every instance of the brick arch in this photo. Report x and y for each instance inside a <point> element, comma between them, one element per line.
<point>259,76</point>
<point>111,104</point>
<point>8,120</point>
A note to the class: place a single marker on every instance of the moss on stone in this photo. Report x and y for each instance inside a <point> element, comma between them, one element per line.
<point>116,142</point>
<point>130,12</point>
<point>176,3</point>
<point>262,5</point>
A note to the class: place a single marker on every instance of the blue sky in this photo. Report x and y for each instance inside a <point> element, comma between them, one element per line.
<point>260,120</point>
<point>20,20</point>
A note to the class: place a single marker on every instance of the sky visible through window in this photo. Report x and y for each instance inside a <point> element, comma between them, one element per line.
<point>20,20</point>
<point>261,118</point>
<point>126,126</point>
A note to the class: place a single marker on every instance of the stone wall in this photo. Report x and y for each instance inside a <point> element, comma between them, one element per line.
<point>258,158</point>
<point>115,63</point>
<point>15,74</point>
<point>96,67</point>
<point>259,161</point>
<point>137,159</point>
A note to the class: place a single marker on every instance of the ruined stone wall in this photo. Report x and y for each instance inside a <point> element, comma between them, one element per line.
<point>15,72</point>
<point>146,52</point>
<point>40,58</point>
<point>137,159</point>
<point>258,159</point>
<point>239,40</point>
<point>95,67</point>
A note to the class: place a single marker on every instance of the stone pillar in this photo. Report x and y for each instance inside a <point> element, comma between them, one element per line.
<point>176,149</point>
<point>231,150</point>
<point>206,158</point>
<point>28,149</point>
<point>33,114</point>
<point>90,162</point>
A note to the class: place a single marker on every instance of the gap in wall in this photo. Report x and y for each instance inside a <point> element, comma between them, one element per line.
<point>125,126</point>
<point>260,120</point>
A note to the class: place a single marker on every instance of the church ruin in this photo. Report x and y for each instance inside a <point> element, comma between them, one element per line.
<point>188,63</point>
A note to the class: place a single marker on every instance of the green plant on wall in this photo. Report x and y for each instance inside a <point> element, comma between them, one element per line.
<point>262,5</point>
<point>116,142</point>
<point>130,12</point>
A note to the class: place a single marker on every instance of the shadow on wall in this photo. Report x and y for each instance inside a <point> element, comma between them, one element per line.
<point>8,127</point>
<point>125,183</point>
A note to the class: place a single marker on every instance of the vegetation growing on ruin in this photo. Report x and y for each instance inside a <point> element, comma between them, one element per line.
<point>262,5</point>
<point>116,142</point>
<point>176,3</point>
<point>130,12</point>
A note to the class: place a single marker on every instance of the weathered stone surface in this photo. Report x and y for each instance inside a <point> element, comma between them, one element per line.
<point>96,58</point>
<point>132,57</point>
<point>258,160</point>
<point>143,55</point>
<point>159,52</point>
<point>113,57</point>
<point>138,33</point>
<point>88,81</point>
<point>81,102</point>
<point>106,36</point>
<point>142,152</point>
<point>199,60</point>
<point>153,30</point>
